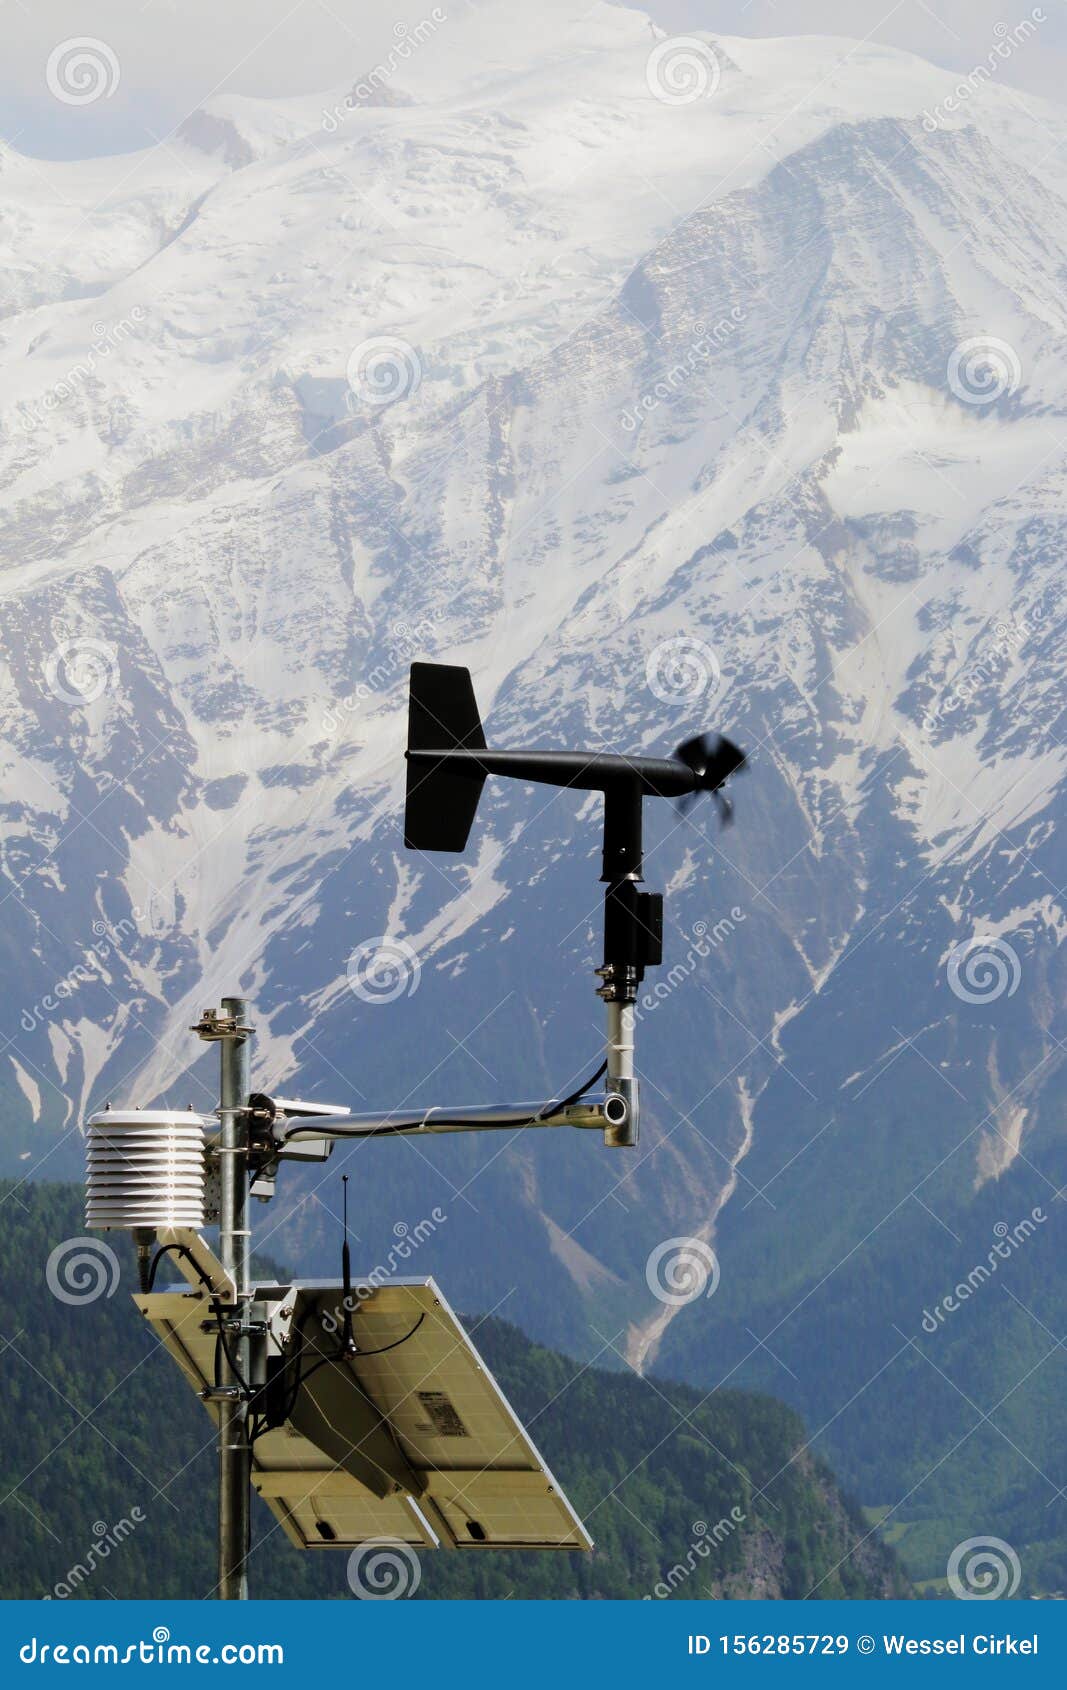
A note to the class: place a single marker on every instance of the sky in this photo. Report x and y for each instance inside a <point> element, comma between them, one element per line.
<point>172,55</point>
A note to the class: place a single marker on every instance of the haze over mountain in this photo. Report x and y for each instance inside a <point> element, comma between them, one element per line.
<point>663,410</point>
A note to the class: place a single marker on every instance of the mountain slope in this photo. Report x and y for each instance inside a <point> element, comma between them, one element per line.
<point>109,1467</point>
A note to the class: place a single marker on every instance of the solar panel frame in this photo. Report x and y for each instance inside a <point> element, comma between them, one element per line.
<point>484,1483</point>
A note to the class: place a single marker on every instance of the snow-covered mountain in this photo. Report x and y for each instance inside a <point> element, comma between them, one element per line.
<point>667,385</point>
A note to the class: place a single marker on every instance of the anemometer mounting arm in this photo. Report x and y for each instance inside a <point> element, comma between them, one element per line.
<point>604,1112</point>
<point>448,762</point>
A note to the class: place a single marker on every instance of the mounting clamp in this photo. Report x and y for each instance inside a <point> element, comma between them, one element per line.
<point>212,1027</point>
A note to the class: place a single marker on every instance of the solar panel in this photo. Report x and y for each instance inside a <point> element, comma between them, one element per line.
<point>411,1439</point>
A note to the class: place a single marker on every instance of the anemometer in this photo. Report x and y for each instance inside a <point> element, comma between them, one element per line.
<point>448,761</point>
<point>360,1410</point>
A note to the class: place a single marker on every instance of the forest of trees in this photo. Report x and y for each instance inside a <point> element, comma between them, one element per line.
<point>105,1445</point>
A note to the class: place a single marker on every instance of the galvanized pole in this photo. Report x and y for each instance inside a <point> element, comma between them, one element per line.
<point>235,1456</point>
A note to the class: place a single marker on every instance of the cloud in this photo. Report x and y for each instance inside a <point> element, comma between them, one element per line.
<point>955,33</point>
<point>175,54</point>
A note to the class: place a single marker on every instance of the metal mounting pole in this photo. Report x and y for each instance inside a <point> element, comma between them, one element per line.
<point>633,938</point>
<point>235,1455</point>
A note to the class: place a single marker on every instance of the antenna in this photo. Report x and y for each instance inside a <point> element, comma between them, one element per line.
<point>346,1449</point>
<point>348,1342</point>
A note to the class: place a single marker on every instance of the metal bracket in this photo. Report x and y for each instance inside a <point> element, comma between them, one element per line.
<point>212,1027</point>
<point>621,981</point>
<point>221,1393</point>
<point>254,1328</point>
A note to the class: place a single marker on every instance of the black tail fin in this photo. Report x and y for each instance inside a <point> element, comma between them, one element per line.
<point>442,716</point>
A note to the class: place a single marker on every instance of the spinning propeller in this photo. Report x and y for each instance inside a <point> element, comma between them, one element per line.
<point>713,760</point>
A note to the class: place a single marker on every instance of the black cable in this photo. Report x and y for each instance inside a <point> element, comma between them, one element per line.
<point>295,1361</point>
<point>292,1361</point>
<point>391,1127</point>
<point>234,1369</point>
<point>337,1355</point>
<point>258,1431</point>
<point>356,1355</point>
<point>552,1108</point>
<point>181,1250</point>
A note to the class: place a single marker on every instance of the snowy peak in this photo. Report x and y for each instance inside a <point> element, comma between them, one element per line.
<point>239,132</point>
